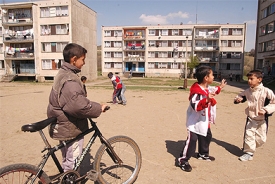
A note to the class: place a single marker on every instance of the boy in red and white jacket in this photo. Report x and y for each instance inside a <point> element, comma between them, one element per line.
<point>117,86</point>
<point>200,113</point>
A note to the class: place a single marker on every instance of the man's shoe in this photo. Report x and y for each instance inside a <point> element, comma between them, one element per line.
<point>246,157</point>
<point>185,166</point>
<point>205,157</point>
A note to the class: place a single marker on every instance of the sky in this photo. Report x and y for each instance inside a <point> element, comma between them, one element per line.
<point>167,12</point>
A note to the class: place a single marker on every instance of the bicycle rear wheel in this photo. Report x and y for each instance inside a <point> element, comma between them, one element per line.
<point>22,173</point>
<point>110,172</point>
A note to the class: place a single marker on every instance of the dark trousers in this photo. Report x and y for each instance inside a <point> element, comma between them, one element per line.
<point>189,147</point>
<point>116,94</point>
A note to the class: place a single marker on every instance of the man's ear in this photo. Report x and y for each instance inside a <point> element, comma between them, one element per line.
<point>73,60</point>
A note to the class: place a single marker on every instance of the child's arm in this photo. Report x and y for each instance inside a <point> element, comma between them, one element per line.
<point>222,85</point>
<point>269,106</point>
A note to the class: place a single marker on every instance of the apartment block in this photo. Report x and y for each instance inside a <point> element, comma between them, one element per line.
<point>34,35</point>
<point>265,37</point>
<point>163,50</point>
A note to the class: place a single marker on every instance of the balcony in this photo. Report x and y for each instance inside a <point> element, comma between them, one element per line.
<point>207,48</point>
<point>18,37</point>
<point>20,21</point>
<point>208,59</point>
<point>133,58</point>
<point>28,54</point>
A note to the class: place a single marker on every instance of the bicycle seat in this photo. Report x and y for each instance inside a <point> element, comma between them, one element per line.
<point>38,125</point>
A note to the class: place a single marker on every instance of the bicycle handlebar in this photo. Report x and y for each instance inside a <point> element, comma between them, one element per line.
<point>106,108</point>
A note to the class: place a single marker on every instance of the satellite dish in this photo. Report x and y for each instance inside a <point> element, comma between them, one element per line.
<point>4,11</point>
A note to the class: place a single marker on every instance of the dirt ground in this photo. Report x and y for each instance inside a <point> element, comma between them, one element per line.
<point>156,121</point>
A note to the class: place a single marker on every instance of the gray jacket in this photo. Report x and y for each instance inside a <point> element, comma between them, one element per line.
<point>68,103</point>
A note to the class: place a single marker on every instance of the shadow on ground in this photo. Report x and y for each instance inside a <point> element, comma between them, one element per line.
<point>234,150</point>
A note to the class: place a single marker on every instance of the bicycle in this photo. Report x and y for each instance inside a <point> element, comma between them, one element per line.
<point>117,160</point>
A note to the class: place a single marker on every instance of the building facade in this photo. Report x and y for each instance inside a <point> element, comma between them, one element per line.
<point>163,50</point>
<point>35,34</point>
<point>265,37</point>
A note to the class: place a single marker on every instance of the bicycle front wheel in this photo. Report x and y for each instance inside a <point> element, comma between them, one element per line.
<point>22,173</point>
<point>110,172</point>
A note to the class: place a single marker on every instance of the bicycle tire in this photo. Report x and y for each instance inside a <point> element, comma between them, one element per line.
<point>110,172</point>
<point>22,173</point>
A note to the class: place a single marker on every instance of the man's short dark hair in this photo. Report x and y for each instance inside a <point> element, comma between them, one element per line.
<point>257,73</point>
<point>110,74</point>
<point>201,72</point>
<point>71,50</point>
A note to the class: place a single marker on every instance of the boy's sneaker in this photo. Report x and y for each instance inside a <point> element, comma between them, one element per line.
<point>246,157</point>
<point>185,166</point>
<point>205,157</point>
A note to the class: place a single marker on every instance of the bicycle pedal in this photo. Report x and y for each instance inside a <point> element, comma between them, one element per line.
<point>92,175</point>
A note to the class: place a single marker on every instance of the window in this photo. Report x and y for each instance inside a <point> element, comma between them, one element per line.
<point>164,32</point>
<point>117,65</point>
<point>164,44</point>
<point>117,44</point>
<point>2,65</point>
<point>107,65</point>
<point>187,32</point>
<point>264,13</point>
<point>175,65</point>
<point>1,48</point>
<point>151,65</point>
<point>107,54</point>
<point>230,66</point>
<point>272,8</point>
<point>151,54</point>
<point>236,43</point>
<point>53,47</point>
<point>118,33</point>
<point>118,54</point>
<point>162,54</point>
<point>107,33</point>
<point>225,31</point>
<point>262,30</point>
<point>175,32</point>
<point>270,27</point>
<point>54,11</point>
<point>51,64</point>
<point>107,44</point>
<point>175,43</point>
<point>270,45</point>
<point>152,32</point>
<point>224,43</point>
<point>236,31</point>
<point>162,65</point>
<point>58,29</point>
<point>152,43</point>
<point>260,63</point>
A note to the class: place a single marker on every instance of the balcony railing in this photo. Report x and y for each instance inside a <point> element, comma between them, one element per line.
<point>206,48</point>
<point>17,37</point>
<point>216,36</point>
<point>19,55</point>
<point>208,59</point>
<point>17,20</point>
<point>133,58</point>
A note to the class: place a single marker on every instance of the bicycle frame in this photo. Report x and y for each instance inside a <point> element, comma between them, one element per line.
<point>51,150</point>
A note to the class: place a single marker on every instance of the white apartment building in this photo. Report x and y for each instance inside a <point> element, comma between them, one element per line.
<point>163,50</point>
<point>265,37</point>
<point>34,35</point>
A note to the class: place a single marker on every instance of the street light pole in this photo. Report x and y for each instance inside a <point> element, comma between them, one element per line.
<point>185,77</point>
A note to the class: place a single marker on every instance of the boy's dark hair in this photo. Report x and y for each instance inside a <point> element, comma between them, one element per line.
<point>201,72</point>
<point>83,78</point>
<point>71,50</point>
<point>110,74</point>
<point>257,73</point>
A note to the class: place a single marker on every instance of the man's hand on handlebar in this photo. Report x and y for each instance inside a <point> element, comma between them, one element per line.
<point>104,108</point>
